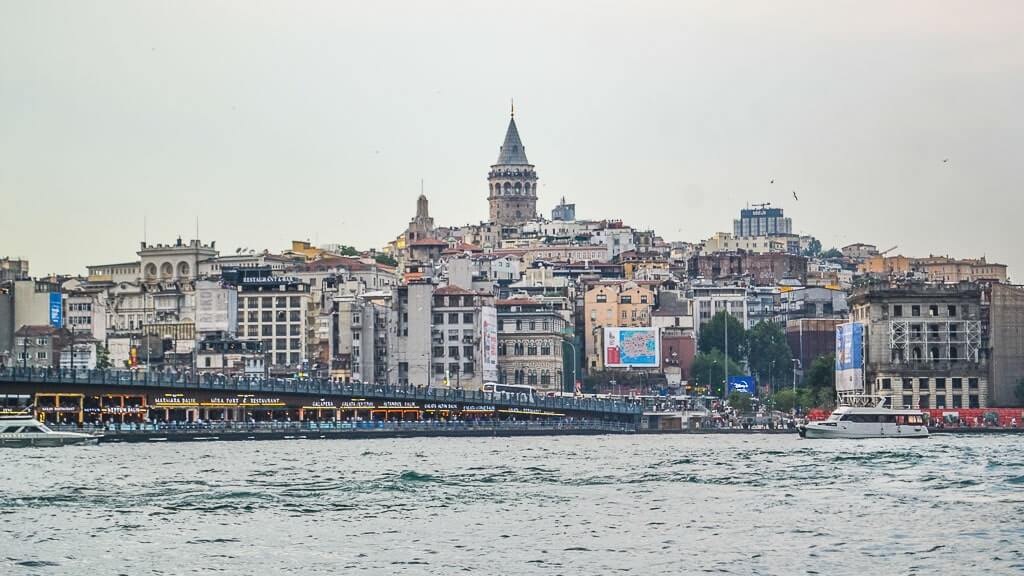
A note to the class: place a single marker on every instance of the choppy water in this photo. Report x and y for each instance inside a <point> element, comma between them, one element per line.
<point>566,505</point>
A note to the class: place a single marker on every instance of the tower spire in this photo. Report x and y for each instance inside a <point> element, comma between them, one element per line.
<point>513,100</point>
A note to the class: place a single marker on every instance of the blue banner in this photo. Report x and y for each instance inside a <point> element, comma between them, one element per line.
<point>850,357</point>
<point>56,310</point>
<point>743,384</point>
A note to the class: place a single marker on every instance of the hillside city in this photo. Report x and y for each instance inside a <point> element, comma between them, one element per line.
<point>558,304</point>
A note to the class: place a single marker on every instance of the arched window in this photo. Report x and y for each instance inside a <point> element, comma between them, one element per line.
<point>545,377</point>
<point>954,354</point>
<point>533,378</point>
<point>508,188</point>
<point>150,271</point>
<point>519,188</point>
<point>183,269</point>
<point>166,270</point>
<point>933,353</point>
<point>915,353</point>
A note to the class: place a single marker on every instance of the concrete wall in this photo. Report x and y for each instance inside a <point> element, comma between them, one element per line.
<point>1006,338</point>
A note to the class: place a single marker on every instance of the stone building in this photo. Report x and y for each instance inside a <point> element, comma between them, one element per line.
<point>924,344</point>
<point>512,182</point>
<point>1005,305</point>
<point>531,343</point>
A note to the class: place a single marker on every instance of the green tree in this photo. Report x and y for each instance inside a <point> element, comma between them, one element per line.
<point>102,357</point>
<point>822,374</point>
<point>1019,391</point>
<point>712,336</point>
<point>813,248</point>
<point>348,251</point>
<point>768,353</point>
<point>740,401</point>
<point>831,253</point>
<point>784,400</point>
<point>712,364</point>
<point>386,260</point>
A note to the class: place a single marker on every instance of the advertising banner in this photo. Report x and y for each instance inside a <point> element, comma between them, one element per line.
<point>632,347</point>
<point>216,308</point>
<point>742,384</point>
<point>56,310</point>
<point>850,357</point>
<point>489,342</point>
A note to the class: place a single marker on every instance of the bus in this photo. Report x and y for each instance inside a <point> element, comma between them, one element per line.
<point>494,387</point>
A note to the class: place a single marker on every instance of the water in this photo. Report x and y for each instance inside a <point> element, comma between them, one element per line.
<point>560,505</point>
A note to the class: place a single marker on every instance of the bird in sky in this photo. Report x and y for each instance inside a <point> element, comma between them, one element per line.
<point>945,160</point>
<point>795,196</point>
<point>772,181</point>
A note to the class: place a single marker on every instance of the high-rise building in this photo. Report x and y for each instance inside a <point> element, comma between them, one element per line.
<point>512,182</point>
<point>761,221</point>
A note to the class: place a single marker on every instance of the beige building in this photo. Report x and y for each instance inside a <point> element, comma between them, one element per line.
<point>936,268</point>
<point>614,303</point>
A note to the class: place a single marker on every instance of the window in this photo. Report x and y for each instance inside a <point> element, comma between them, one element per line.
<point>355,335</point>
<point>626,300</point>
<point>897,311</point>
<point>886,384</point>
<point>294,343</point>
<point>251,331</point>
<point>467,318</point>
<point>951,310</point>
<point>267,330</point>
<point>973,401</point>
<point>940,400</point>
<point>453,318</point>
<point>958,384</point>
<point>519,325</point>
<point>438,368</point>
<point>267,301</point>
<point>922,384</point>
<point>940,384</point>
<point>501,349</point>
<point>545,349</point>
<point>958,401</point>
<point>294,357</point>
<point>453,335</point>
<point>933,310</point>
<point>207,361</point>
<point>293,330</point>
<point>282,358</point>
<point>453,351</point>
<point>972,383</point>
<point>266,316</point>
<point>533,325</point>
<point>531,349</point>
<point>293,301</point>
<point>643,299</point>
<point>438,318</point>
<point>915,311</point>
<point>908,401</point>
<point>908,384</point>
<point>467,368</point>
<point>40,355</point>
<point>281,302</point>
<point>281,343</point>
<point>602,298</point>
<point>295,316</point>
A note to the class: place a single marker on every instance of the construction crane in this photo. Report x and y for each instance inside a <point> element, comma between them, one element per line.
<point>883,253</point>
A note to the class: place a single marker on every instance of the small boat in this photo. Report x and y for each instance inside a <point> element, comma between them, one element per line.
<point>21,430</point>
<point>867,417</point>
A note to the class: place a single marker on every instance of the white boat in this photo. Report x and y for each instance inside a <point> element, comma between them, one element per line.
<point>23,430</point>
<point>867,417</point>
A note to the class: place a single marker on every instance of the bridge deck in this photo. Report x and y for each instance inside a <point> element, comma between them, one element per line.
<point>320,388</point>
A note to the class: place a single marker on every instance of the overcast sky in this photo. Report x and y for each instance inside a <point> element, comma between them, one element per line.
<point>274,121</point>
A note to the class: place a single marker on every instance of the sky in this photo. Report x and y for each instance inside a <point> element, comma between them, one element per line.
<point>274,121</point>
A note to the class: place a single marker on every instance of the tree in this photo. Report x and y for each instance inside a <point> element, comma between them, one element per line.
<point>1019,391</point>
<point>102,357</point>
<point>712,336</point>
<point>768,352</point>
<point>822,374</point>
<point>386,260</point>
<point>784,400</point>
<point>740,402</point>
<point>712,364</point>
<point>831,253</point>
<point>813,248</point>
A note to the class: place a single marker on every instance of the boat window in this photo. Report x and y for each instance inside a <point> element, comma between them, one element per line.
<point>11,429</point>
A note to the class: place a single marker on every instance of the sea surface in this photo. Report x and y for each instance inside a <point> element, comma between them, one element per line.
<point>646,505</point>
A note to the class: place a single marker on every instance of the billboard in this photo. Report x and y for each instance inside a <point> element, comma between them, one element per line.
<point>632,347</point>
<point>743,384</point>
<point>216,308</point>
<point>850,357</point>
<point>489,342</point>
<point>56,310</point>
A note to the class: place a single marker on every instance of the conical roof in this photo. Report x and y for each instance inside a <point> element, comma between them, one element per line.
<point>512,151</point>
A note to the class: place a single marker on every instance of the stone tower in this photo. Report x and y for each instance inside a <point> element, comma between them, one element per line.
<point>512,182</point>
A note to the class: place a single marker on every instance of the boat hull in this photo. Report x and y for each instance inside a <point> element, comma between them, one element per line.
<point>48,441</point>
<point>818,431</point>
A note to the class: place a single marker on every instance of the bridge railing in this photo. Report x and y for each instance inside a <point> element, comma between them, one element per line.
<point>313,387</point>
<point>314,427</point>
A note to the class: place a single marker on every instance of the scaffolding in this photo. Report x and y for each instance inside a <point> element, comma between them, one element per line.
<point>935,340</point>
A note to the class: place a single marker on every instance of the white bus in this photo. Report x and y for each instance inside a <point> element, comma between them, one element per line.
<point>494,387</point>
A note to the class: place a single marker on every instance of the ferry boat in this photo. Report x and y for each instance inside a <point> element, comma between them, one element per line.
<point>867,417</point>
<point>21,430</point>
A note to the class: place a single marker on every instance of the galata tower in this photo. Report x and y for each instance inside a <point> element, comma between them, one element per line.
<point>512,181</point>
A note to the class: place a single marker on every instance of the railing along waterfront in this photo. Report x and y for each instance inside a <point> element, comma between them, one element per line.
<point>310,387</point>
<point>315,427</point>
